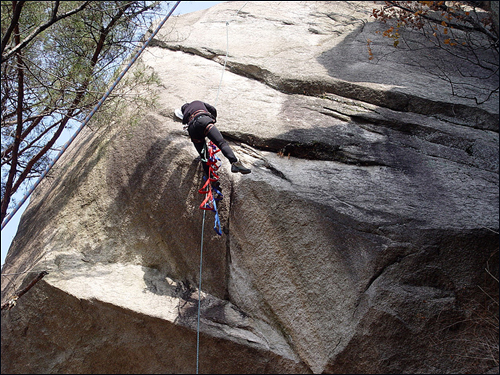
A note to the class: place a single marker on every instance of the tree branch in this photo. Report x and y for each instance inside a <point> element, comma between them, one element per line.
<point>41,28</point>
<point>18,6</point>
<point>12,301</point>
<point>17,140</point>
<point>475,26</point>
<point>32,143</point>
<point>76,102</point>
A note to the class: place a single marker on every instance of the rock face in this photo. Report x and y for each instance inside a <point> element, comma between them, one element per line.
<point>363,241</point>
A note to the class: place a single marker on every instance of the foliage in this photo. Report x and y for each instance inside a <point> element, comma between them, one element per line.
<point>463,29</point>
<point>58,58</point>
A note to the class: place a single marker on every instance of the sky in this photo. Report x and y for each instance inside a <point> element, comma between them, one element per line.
<point>9,232</point>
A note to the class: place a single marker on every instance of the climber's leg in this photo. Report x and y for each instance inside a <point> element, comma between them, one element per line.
<point>216,137</point>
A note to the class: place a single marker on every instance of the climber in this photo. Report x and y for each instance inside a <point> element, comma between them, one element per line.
<point>200,118</point>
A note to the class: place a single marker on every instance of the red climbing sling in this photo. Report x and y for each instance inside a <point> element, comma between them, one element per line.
<point>209,203</point>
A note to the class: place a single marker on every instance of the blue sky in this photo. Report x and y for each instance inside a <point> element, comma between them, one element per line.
<point>9,232</point>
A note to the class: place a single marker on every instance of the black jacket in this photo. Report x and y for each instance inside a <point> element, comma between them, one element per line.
<point>197,108</point>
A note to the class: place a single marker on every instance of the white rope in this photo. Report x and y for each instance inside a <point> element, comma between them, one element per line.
<point>225,60</point>
<point>203,222</point>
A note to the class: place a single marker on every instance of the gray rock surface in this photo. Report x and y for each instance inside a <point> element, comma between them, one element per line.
<point>358,244</point>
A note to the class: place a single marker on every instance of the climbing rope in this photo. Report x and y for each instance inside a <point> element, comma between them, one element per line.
<point>225,62</point>
<point>199,299</point>
<point>209,203</point>
<point>87,119</point>
<point>227,52</point>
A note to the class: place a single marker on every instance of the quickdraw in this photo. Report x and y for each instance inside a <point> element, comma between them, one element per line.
<point>212,193</point>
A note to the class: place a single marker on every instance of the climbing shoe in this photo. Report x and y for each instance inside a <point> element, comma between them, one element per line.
<point>238,167</point>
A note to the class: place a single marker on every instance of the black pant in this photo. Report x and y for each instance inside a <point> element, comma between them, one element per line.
<point>197,133</point>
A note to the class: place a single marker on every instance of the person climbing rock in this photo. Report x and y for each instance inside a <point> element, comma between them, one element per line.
<point>201,118</point>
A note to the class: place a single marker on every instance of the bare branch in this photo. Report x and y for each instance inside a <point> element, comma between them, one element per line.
<point>13,300</point>
<point>460,30</point>
<point>476,26</point>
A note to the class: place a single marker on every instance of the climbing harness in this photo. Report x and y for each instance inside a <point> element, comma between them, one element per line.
<point>198,113</point>
<point>87,119</point>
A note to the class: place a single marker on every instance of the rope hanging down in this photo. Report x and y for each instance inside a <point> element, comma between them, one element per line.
<point>87,119</point>
<point>209,203</point>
